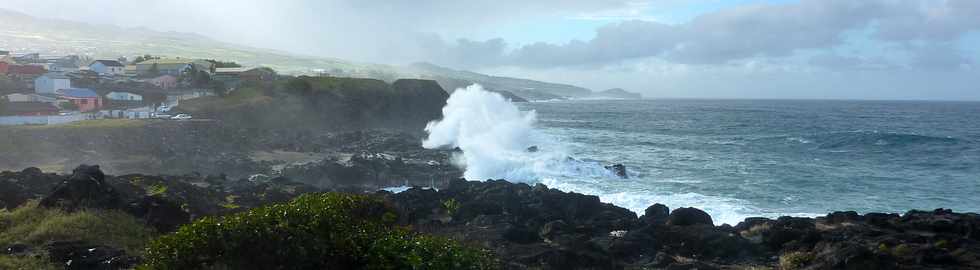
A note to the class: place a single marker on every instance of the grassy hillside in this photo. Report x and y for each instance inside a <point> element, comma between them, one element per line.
<point>22,33</point>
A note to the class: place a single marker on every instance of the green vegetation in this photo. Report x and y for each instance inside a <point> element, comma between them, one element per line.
<point>33,225</point>
<point>240,97</point>
<point>25,263</point>
<point>314,231</point>
<point>95,124</point>
<point>795,260</point>
<point>222,64</point>
<point>451,206</point>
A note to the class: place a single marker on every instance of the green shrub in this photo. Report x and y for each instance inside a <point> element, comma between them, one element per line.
<point>25,263</point>
<point>795,260</point>
<point>33,225</point>
<point>314,231</point>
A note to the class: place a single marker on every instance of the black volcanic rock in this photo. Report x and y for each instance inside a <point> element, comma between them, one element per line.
<point>688,216</point>
<point>85,188</point>
<point>618,170</point>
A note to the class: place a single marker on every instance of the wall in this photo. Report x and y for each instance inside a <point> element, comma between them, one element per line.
<point>41,120</point>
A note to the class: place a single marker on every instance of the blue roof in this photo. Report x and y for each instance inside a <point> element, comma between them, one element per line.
<point>79,93</point>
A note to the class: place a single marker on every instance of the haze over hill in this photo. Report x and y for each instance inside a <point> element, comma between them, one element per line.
<point>27,34</point>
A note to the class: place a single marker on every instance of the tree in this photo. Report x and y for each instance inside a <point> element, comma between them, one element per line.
<point>299,86</point>
<point>144,58</point>
<point>221,64</point>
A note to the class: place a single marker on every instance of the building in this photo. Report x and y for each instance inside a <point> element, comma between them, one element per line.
<point>163,82</point>
<point>4,66</point>
<point>25,72</point>
<point>108,67</point>
<point>124,96</point>
<point>85,99</point>
<point>29,109</point>
<point>50,83</point>
<point>173,66</point>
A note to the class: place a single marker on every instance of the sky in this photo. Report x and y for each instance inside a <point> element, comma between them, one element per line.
<point>823,49</point>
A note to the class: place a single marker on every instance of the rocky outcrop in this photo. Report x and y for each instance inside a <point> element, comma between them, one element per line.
<point>85,188</point>
<point>534,227</point>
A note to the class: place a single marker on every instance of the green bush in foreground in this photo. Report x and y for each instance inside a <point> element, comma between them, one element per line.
<point>36,226</point>
<point>314,231</point>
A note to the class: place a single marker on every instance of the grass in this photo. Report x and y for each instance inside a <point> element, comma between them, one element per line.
<point>25,263</point>
<point>240,97</point>
<point>795,260</point>
<point>35,226</point>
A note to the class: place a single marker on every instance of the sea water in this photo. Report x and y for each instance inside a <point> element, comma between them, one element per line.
<point>732,158</point>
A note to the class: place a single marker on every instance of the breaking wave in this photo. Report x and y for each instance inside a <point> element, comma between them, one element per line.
<point>498,141</point>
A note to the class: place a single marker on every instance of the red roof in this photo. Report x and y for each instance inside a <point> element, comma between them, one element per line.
<point>26,70</point>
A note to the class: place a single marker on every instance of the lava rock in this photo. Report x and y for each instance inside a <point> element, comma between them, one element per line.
<point>76,255</point>
<point>656,214</point>
<point>619,170</point>
<point>688,216</point>
<point>86,188</point>
<point>164,215</point>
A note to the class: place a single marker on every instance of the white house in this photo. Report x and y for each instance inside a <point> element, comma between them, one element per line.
<point>108,67</point>
<point>124,96</point>
<point>50,83</point>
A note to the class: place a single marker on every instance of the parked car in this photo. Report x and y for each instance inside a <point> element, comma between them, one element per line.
<point>182,116</point>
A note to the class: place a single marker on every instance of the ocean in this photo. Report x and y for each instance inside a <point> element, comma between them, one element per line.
<point>732,158</point>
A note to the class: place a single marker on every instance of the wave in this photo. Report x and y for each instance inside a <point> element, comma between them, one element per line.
<point>495,137</point>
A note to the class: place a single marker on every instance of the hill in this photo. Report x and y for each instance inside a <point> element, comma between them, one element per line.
<point>617,93</point>
<point>22,33</point>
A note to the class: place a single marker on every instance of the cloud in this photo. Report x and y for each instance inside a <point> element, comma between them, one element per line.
<point>760,30</point>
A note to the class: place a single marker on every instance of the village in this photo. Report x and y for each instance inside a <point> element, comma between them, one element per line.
<point>40,89</point>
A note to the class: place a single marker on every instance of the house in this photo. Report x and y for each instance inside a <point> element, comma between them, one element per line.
<point>50,83</point>
<point>174,66</point>
<point>29,109</point>
<point>25,72</point>
<point>85,99</point>
<point>163,82</point>
<point>124,96</point>
<point>108,67</point>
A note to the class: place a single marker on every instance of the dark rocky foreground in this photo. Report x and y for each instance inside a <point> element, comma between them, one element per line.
<point>527,227</point>
<point>534,227</point>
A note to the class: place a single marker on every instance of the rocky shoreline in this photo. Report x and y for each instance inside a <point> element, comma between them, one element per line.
<point>527,227</point>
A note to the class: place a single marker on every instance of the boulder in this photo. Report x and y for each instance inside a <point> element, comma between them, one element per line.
<point>85,188</point>
<point>162,214</point>
<point>618,170</point>
<point>688,216</point>
<point>656,214</point>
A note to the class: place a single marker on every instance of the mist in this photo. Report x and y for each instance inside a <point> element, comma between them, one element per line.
<point>716,49</point>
